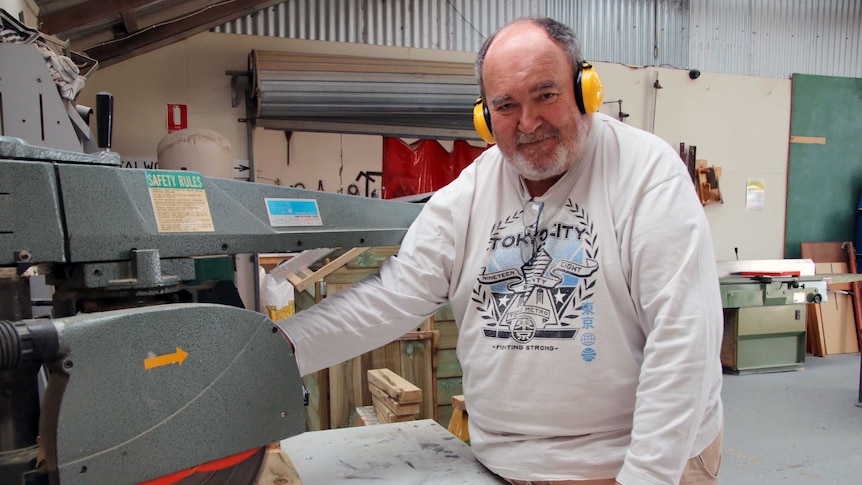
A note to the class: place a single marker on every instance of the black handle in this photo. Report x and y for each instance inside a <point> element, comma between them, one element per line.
<point>27,343</point>
<point>105,118</point>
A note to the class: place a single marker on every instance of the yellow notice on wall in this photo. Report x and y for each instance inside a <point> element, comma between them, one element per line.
<point>755,194</point>
<point>179,201</point>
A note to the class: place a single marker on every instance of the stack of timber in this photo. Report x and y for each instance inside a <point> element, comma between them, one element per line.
<point>394,398</point>
<point>449,373</point>
<point>365,416</point>
<point>335,393</point>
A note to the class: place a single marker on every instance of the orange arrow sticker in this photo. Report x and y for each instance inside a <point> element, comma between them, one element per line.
<point>176,358</point>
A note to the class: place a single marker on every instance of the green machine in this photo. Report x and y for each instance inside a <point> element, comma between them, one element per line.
<point>143,380</point>
<point>765,320</point>
<point>132,379</point>
<point>765,312</point>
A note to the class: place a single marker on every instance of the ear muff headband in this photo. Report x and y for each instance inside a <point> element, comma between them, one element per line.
<point>588,95</point>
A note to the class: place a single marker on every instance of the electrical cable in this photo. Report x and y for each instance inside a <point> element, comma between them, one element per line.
<point>464,18</point>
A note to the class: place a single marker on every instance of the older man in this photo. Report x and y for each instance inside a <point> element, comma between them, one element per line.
<point>579,266</point>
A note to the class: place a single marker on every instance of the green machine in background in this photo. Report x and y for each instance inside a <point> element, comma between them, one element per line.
<point>765,321</point>
<point>765,315</point>
<point>766,312</point>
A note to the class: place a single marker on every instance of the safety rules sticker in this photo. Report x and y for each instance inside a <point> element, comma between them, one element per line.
<point>179,202</point>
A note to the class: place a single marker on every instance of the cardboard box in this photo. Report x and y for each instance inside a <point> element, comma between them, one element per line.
<point>839,322</point>
<point>839,327</point>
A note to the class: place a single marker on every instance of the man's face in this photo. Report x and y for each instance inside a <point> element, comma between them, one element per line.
<point>529,88</point>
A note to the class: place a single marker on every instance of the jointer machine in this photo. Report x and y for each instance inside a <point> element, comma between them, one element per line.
<point>765,312</point>
<point>134,377</point>
<point>765,319</point>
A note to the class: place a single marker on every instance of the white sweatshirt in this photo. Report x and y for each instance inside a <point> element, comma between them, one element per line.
<point>597,359</point>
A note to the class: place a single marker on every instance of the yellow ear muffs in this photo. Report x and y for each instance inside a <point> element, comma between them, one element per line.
<point>588,95</point>
<point>588,89</point>
<point>482,120</point>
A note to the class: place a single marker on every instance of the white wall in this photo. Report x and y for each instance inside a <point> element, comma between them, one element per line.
<point>740,124</point>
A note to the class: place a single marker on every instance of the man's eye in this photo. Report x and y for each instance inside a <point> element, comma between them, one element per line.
<point>504,107</point>
<point>549,96</point>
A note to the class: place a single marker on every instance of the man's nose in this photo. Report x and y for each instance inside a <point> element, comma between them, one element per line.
<point>529,120</point>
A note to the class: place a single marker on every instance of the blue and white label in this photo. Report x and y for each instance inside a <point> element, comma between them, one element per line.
<point>293,212</point>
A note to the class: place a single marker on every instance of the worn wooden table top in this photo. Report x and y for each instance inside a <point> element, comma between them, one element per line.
<point>413,452</point>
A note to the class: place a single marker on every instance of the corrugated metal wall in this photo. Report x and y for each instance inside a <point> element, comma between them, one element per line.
<point>457,25</point>
<point>775,38</point>
<point>764,38</point>
<point>633,32</point>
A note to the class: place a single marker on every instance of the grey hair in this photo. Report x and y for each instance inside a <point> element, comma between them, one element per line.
<point>558,32</point>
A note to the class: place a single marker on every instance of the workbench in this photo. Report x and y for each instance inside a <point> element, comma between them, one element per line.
<point>413,452</point>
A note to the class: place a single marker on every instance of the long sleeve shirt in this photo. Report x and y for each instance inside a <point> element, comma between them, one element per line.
<point>589,332</point>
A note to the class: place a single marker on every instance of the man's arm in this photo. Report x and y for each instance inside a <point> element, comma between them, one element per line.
<point>379,309</point>
<point>675,287</point>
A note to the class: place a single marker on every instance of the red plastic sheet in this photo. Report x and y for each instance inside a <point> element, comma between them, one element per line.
<point>423,166</point>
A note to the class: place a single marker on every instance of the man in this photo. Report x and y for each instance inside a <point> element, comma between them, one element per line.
<point>579,266</point>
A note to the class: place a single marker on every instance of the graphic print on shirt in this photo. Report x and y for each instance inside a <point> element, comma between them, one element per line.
<point>543,298</point>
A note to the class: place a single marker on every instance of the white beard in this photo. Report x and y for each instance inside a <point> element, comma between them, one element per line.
<point>557,166</point>
<point>561,160</point>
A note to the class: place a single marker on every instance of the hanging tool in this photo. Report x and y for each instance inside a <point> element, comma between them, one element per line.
<point>688,158</point>
<point>369,177</point>
<point>274,181</point>
<point>621,115</point>
<point>287,136</point>
<point>692,163</point>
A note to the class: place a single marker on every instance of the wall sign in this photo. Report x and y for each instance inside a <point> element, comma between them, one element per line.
<point>178,117</point>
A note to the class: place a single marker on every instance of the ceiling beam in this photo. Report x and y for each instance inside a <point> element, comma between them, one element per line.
<point>130,21</point>
<point>82,14</point>
<point>146,40</point>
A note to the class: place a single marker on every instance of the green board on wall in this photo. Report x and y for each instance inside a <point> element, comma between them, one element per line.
<point>824,179</point>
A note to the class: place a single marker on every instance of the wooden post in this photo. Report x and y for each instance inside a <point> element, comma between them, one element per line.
<point>857,293</point>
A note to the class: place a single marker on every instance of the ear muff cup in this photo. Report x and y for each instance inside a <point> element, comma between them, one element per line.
<point>588,89</point>
<point>482,120</point>
<point>588,95</point>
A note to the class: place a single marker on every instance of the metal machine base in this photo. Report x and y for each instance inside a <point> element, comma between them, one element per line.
<point>764,339</point>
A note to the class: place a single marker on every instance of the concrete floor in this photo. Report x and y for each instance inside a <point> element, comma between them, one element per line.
<point>799,427</point>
